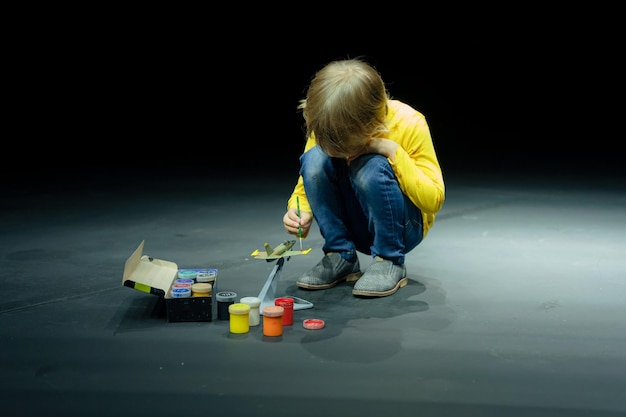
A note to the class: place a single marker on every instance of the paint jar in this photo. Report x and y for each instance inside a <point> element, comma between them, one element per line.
<point>184,281</point>
<point>180,292</point>
<point>201,289</point>
<point>187,274</point>
<point>273,320</point>
<point>287,304</point>
<point>255,304</point>
<point>239,318</point>
<point>224,300</point>
<point>175,285</point>
<point>206,275</point>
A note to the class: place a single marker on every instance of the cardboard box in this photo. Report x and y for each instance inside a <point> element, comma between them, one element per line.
<point>156,276</point>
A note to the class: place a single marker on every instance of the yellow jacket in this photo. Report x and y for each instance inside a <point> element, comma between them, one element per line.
<point>416,165</point>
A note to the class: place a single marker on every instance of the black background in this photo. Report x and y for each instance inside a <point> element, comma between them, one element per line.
<point>123,94</point>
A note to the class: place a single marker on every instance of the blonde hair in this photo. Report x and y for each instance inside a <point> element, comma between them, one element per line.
<point>345,106</point>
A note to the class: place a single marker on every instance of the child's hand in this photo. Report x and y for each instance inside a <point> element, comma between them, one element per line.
<point>292,222</point>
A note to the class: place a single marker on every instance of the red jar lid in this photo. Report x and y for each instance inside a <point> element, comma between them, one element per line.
<point>284,301</point>
<point>313,324</point>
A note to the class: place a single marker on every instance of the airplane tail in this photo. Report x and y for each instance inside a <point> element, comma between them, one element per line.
<point>268,249</point>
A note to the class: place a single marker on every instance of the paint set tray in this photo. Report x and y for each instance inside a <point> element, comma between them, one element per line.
<point>156,276</point>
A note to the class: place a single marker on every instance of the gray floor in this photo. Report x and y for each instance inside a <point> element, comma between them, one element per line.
<point>515,305</point>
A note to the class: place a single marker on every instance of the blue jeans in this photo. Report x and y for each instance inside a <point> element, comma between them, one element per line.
<point>360,207</point>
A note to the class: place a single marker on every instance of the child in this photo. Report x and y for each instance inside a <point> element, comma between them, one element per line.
<point>370,177</point>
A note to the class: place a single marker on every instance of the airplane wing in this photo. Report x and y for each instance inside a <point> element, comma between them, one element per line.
<point>282,250</point>
<point>263,255</point>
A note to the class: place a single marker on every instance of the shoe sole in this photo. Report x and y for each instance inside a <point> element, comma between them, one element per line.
<point>365,293</point>
<point>353,277</point>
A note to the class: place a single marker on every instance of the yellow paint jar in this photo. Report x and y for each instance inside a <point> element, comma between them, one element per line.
<point>239,318</point>
<point>201,289</point>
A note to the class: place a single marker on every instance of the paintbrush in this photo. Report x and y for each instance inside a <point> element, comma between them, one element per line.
<point>299,227</point>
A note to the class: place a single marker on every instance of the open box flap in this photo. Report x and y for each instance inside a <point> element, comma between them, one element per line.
<point>151,275</point>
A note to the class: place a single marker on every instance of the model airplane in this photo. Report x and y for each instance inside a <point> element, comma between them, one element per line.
<point>279,251</point>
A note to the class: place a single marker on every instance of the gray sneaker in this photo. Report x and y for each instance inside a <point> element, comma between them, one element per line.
<point>381,278</point>
<point>328,272</point>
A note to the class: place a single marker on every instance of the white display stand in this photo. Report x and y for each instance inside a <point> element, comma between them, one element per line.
<point>268,292</point>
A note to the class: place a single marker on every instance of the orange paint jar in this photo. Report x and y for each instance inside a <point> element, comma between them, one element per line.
<point>273,320</point>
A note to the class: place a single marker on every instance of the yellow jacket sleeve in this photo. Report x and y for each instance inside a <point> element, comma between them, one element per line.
<point>298,195</point>
<point>416,165</point>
